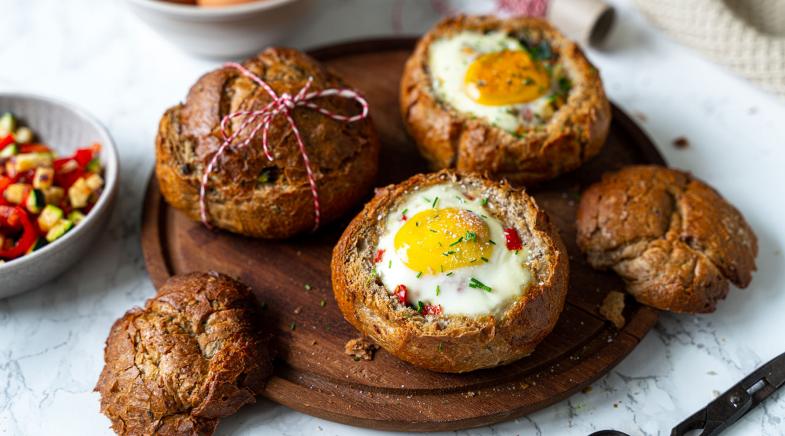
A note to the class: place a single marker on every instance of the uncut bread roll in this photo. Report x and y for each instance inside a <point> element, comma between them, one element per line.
<point>192,355</point>
<point>674,240</point>
<point>249,194</point>
<point>513,99</point>
<point>451,272</point>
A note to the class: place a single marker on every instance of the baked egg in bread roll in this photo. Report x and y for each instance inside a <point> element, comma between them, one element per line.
<point>451,272</point>
<point>513,98</point>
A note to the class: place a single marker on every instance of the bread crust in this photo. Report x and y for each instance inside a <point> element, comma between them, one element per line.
<point>452,343</point>
<point>344,156</point>
<point>450,139</point>
<point>674,240</point>
<point>192,355</point>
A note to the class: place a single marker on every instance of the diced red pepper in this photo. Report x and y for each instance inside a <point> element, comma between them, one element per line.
<point>402,293</point>
<point>28,238</point>
<point>9,217</point>
<point>65,180</point>
<point>379,255</point>
<point>83,156</point>
<point>9,139</point>
<point>34,148</point>
<point>513,239</point>
<point>432,309</point>
<point>4,182</point>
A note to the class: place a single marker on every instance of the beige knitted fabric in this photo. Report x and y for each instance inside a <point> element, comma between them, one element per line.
<point>746,35</point>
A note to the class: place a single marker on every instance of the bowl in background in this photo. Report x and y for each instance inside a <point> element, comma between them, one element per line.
<point>222,32</point>
<point>63,128</point>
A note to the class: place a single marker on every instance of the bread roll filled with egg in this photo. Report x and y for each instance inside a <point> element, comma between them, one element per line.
<point>513,98</point>
<point>451,272</point>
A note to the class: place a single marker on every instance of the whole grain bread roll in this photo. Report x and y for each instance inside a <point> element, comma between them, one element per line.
<point>452,342</point>
<point>192,355</point>
<point>249,194</point>
<point>449,138</point>
<point>674,240</point>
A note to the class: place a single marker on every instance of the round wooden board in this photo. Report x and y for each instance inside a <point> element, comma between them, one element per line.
<point>314,376</point>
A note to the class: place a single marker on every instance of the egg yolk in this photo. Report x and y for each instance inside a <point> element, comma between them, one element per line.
<point>505,77</point>
<point>440,240</point>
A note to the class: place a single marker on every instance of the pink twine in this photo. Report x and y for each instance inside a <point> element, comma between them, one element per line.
<point>262,119</point>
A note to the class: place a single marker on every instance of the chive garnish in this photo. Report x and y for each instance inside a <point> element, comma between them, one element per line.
<point>447,253</point>
<point>438,290</point>
<point>404,212</point>
<point>471,236</point>
<point>435,200</point>
<point>432,231</point>
<point>389,264</point>
<point>420,307</point>
<point>491,241</point>
<point>485,259</point>
<point>474,283</point>
<point>419,274</point>
<point>450,273</point>
<point>457,241</point>
<point>293,326</point>
<point>484,201</point>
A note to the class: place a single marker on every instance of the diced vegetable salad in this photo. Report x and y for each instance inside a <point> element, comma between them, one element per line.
<point>42,196</point>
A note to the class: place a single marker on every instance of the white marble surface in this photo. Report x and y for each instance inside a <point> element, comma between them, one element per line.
<point>93,53</point>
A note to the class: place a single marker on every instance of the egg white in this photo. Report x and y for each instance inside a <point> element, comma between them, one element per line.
<point>505,272</point>
<point>450,57</point>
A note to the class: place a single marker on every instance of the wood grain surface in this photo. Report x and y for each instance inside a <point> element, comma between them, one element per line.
<point>292,279</point>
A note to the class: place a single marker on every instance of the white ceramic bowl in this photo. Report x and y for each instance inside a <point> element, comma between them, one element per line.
<point>222,32</point>
<point>64,128</point>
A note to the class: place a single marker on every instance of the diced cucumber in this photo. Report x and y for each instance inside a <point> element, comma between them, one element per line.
<point>29,161</point>
<point>43,178</point>
<point>23,135</point>
<point>35,201</point>
<point>76,216</point>
<point>94,182</point>
<point>79,193</point>
<point>49,217</point>
<point>15,192</point>
<point>9,150</point>
<point>94,166</point>
<point>54,194</point>
<point>39,243</point>
<point>7,124</point>
<point>61,228</point>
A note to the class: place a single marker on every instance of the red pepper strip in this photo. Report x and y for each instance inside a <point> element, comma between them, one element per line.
<point>34,148</point>
<point>65,180</point>
<point>379,256</point>
<point>83,156</point>
<point>513,239</point>
<point>6,141</point>
<point>432,309</point>
<point>401,292</point>
<point>28,238</point>
<point>9,217</point>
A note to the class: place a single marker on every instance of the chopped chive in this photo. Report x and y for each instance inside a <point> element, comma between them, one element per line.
<point>484,201</point>
<point>389,264</point>
<point>447,253</point>
<point>427,200</point>
<point>322,303</point>
<point>435,200</point>
<point>432,231</point>
<point>374,273</point>
<point>472,260</point>
<point>307,287</point>
<point>457,241</point>
<point>484,216</point>
<point>450,273</point>
<point>293,326</point>
<point>420,307</point>
<point>438,290</point>
<point>419,274</point>
<point>516,252</point>
<point>491,241</point>
<point>404,212</point>
<point>471,236</point>
<point>474,283</point>
<point>485,259</point>
<point>441,267</point>
<point>417,224</point>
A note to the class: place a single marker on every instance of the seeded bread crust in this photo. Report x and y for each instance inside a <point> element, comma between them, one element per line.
<point>194,354</point>
<point>674,240</point>
<point>450,139</point>
<point>453,343</point>
<point>344,156</point>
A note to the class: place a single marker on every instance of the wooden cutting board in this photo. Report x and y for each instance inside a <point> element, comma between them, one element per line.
<point>292,279</point>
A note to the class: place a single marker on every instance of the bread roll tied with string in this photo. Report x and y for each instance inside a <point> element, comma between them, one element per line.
<point>271,148</point>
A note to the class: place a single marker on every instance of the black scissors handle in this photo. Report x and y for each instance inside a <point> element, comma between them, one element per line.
<point>736,401</point>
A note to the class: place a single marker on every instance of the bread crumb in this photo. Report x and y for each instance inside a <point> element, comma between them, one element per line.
<point>681,142</point>
<point>612,308</point>
<point>361,348</point>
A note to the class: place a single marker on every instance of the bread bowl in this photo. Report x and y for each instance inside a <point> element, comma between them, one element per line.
<point>451,272</point>
<point>675,241</point>
<point>248,193</point>
<point>512,98</point>
<point>194,354</point>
